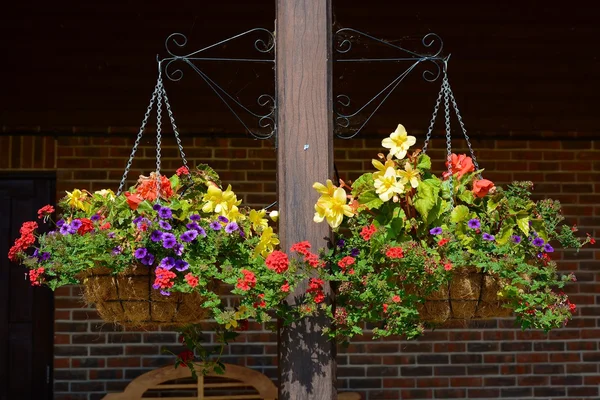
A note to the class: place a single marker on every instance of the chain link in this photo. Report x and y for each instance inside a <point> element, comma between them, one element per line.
<point>448,137</point>
<point>175,129</point>
<point>433,118</point>
<point>158,134</point>
<point>138,139</point>
<point>462,126</point>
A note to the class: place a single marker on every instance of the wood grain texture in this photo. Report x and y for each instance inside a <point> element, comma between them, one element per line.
<point>305,155</point>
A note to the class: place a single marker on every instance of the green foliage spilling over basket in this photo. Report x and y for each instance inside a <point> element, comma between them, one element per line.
<point>411,248</point>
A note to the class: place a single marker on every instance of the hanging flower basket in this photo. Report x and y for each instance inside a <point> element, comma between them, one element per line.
<point>163,252</point>
<point>412,249</point>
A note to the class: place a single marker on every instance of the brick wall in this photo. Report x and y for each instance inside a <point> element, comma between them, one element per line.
<point>487,359</point>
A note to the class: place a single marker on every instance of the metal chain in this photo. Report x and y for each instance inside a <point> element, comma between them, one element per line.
<point>462,126</point>
<point>448,136</point>
<point>175,129</point>
<point>138,139</point>
<point>158,134</point>
<point>433,118</point>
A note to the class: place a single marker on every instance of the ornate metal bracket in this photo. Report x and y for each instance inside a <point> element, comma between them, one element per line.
<point>265,121</point>
<point>349,124</point>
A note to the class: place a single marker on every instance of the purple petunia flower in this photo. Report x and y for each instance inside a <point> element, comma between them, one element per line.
<point>142,222</point>
<point>169,240</point>
<point>111,235</point>
<point>165,213</point>
<point>181,265</point>
<point>75,224</point>
<point>156,285</point>
<point>165,225</point>
<point>156,207</point>
<point>436,231</point>
<point>474,223</point>
<point>148,260</point>
<point>516,239</point>
<point>538,242</point>
<point>188,236</point>
<point>138,219</point>
<point>241,232</point>
<point>193,225</point>
<point>35,253</point>
<point>64,230</point>
<point>223,219</point>
<point>354,252</point>
<point>95,217</point>
<point>167,263</point>
<point>215,226</point>
<point>156,236</point>
<point>117,250</point>
<point>341,243</point>
<point>165,293</point>
<point>178,249</point>
<point>231,227</point>
<point>72,229</point>
<point>140,253</point>
<point>548,248</point>
<point>195,217</point>
<point>487,236</point>
<point>45,256</point>
<point>60,223</point>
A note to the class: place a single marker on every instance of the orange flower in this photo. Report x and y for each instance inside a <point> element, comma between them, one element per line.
<point>461,164</point>
<point>396,299</point>
<point>148,186</point>
<point>481,187</point>
<point>134,200</point>
<point>86,226</point>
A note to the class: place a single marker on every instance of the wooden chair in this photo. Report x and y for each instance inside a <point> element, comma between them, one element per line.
<point>236,384</point>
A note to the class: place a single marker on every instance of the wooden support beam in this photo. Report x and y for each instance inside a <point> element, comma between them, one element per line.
<point>304,156</point>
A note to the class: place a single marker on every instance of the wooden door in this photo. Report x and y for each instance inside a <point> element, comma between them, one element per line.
<point>26,312</point>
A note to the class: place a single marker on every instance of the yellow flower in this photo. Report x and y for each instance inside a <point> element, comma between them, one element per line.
<point>387,185</point>
<point>409,175</point>
<point>106,193</point>
<point>382,167</point>
<point>268,240</point>
<point>274,215</point>
<point>333,208</point>
<point>233,214</point>
<point>221,202</point>
<point>327,190</point>
<point>258,220</point>
<point>76,199</point>
<point>399,142</point>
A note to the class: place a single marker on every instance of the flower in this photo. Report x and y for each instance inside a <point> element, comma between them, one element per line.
<point>248,281</point>
<point>381,168</point>
<point>354,252</point>
<point>231,227</point>
<point>487,236</point>
<point>481,187</point>
<point>516,239</point>
<point>183,170</point>
<point>274,215</point>
<point>387,186</point>
<point>148,187</point>
<point>312,260</point>
<point>156,236</point>
<point>474,223</point>
<point>258,220</point>
<point>443,241</point>
<point>76,199</point>
<point>65,229</point>
<point>448,266</point>
<point>285,287</point>
<point>117,250</point>
<point>368,231</point>
<point>148,260</point>
<point>191,280</point>
<point>409,175</point>
<point>399,142</point>
<point>538,242</point>
<point>219,201</point>
<point>163,278</point>
<point>165,225</point>
<point>133,199</point>
<point>165,213</point>
<point>268,240</point>
<point>301,248</point>
<point>277,261</point>
<point>436,231</point>
<point>385,308</point>
<point>181,265</point>
<point>346,262</point>
<point>461,165</point>
<point>45,211</point>
<point>86,226</point>
<point>189,236</point>
<point>395,252</point>
<point>195,217</point>
<point>332,208</point>
<point>396,299</point>
<point>106,193</point>
<point>186,355</point>
<point>76,224</point>
<point>140,253</point>
<point>215,226</point>
<point>223,219</point>
<point>167,263</point>
<point>548,248</point>
<point>328,189</point>
<point>168,240</point>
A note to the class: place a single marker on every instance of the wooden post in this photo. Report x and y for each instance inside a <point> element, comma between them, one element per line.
<point>304,156</point>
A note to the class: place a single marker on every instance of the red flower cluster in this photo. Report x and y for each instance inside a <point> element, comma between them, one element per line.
<point>86,226</point>
<point>448,266</point>
<point>147,188</point>
<point>346,262</point>
<point>248,281</point>
<point>395,252</point>
<point>35,276</point>
<point>340,316</point>
<point>316,286</point>
<point>133,199</point>
<point>163,278</point>
<point>183,170</point>
<point>461,164</point>
<point>443,241</point>
<point>45,211</point>
<point>191,280</point>
<point>368,231</point>
<point>23,243</point>
<point>311,258</point>
<point>285,287</point>
<point>278,261</point>
<point>261,302</point>
<point>186,356</point>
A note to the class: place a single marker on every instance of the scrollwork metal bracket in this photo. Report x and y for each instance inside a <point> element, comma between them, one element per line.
<point>265,121</point>
<point>346,125</point>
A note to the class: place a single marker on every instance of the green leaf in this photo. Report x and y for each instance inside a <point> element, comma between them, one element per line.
<point>523,222</point>
<point>467,196</point>
<point>504,235</point>
<point>364,183</point>
<point>424,162</point>
<point>493,202</point>
<point>174,182</point>
<point>427,196</point>
<point>538,226</point>
<point>370,199</point>
<point>459,214</point>
<point>145,206</point>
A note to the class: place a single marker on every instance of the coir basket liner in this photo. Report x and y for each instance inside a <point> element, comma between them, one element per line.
<point>130,300</point>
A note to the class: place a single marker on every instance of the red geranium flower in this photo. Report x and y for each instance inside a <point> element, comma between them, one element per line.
<point>301,248</point>
<point>133,199</point>
<point>368,231</point>
<point>277,261</point>
<point>183,170</point>
<point>395,252</point>
<point>86,226</point>
<point>44,211</point>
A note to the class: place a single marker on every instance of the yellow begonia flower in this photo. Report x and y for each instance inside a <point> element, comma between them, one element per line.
<point>233,214</point>
<point>258,220</point>
<point>388,185</point>
<point>267,242</point>
<point>399,142</point>
<point>333,208</point>
<point>382,167</point>
<point>106,193</point>
<point>76,200</point>
<point>220,202</point>
<point>409,175</point>
<point>327,190</point>
<point>274,215</point>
